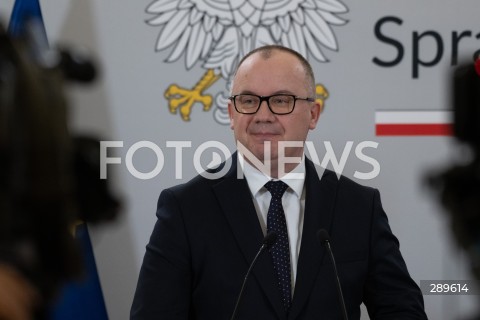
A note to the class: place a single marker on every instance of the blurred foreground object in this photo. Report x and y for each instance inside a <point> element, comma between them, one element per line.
<point>459,186</point>
<point>49,180</point>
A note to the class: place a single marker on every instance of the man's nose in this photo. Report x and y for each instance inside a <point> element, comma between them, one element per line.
<point>264,113</point>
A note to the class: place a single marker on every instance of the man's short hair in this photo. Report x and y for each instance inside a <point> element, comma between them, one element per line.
<point>268,50</point>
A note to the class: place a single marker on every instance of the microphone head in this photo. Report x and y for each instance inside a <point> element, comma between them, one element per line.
<point>323,236</point>
<point>270,238</point>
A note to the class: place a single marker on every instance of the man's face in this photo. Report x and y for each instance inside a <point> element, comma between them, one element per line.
<point>280,73</point>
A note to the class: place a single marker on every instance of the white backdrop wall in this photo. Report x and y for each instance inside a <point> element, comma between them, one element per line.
<point>128,104</point>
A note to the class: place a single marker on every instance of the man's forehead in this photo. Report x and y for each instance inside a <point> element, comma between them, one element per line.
<point>270,54</point>
<point>275,56</point>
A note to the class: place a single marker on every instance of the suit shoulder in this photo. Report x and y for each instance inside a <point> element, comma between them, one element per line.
<point>334,179</point>
<point>203,181</point>
<point>346,184</point>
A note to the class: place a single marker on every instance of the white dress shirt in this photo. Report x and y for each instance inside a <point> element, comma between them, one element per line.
<point>293,202</point>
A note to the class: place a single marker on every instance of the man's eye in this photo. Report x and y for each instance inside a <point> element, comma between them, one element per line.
<point>247,100</point>
<point>280,100</point>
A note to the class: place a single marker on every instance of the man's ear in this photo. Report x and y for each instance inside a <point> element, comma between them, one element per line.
<point>315,112</point>
<point>230,114</point>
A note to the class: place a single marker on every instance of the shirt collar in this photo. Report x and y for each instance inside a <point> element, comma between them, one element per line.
<point>256,179</point>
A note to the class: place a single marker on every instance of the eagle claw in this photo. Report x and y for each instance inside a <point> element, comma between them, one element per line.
<point>184,99</point>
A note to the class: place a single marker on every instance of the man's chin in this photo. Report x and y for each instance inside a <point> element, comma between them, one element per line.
<point>263,156</point>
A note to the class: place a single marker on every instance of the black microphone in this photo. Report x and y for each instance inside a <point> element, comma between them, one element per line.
<point>269,239</point>
<point>324,239</point>
<point>77,66</point>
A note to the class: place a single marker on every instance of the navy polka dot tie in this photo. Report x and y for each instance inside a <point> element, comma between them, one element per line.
<point>280,250</point>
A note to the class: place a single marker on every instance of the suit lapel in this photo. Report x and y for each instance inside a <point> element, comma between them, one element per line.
<point>236,202</point>
<point>319,206</point>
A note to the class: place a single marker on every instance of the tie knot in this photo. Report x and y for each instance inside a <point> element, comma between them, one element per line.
<point>276,188</point>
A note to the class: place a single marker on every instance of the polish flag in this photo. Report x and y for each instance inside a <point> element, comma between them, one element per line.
<point>414,123</point>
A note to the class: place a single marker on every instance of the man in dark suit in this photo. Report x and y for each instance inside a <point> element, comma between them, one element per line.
<point>209,230</point>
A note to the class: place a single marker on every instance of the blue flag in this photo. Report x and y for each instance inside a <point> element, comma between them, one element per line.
<point>27,14</point>
<point>83,299</point>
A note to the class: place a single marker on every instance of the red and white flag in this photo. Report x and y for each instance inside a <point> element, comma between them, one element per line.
<point>413,123</point>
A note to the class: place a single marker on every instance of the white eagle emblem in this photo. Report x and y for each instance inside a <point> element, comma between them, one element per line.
<point>219,32</point>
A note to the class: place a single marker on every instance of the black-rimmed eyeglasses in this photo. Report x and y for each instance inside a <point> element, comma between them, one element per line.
<point>277,103</point>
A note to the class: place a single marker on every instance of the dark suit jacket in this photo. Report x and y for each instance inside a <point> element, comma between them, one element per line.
<point>208,233</point>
